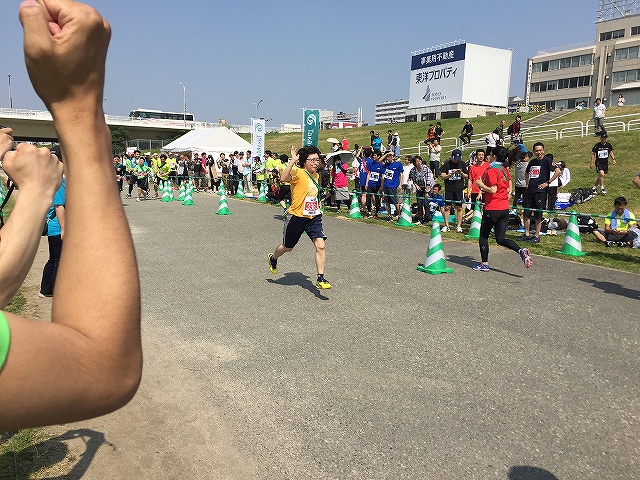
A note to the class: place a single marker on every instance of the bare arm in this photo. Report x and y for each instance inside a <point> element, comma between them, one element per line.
<point>38,174</point>
<point>285,175</point>
<point>88,360</point>
<point>636,181</point>
<point>557,172</point>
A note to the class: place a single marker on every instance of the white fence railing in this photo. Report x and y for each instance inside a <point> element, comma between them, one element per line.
<point>554,131</point>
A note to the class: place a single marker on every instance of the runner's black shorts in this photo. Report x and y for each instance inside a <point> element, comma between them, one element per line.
<point>295,226</point>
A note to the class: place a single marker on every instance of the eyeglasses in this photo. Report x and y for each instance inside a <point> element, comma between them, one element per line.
<point>313,160</point>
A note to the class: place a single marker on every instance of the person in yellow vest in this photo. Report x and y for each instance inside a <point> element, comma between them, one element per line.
<point>304,213</point>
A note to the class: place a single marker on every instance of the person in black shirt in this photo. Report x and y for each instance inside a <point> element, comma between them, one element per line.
<point>465,134</point>
<point>537,176</point>
<point>455,174</point>
<point>439,131</point>
<point>600,154</point>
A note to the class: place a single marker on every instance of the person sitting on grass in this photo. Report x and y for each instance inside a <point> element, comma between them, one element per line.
<point>616,227</point>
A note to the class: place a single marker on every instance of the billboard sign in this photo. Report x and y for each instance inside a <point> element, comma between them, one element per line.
<point>437,77</point>
<point>311,126</point>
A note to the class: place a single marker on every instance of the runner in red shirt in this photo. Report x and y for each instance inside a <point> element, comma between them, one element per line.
<point>496,185</point>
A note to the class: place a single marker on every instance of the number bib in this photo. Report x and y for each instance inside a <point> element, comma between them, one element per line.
<point>374,176</point>
<point>454,175</point>
<point>311,207</point>
<point>534,172</point>
<point>603,154</point>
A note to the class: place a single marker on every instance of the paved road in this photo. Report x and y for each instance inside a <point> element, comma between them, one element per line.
<point>392,373</point>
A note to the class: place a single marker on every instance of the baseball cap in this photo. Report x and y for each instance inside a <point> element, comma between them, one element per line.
<point>456,154</point>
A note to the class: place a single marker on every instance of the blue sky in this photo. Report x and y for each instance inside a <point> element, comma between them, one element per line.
<point>335,55</point>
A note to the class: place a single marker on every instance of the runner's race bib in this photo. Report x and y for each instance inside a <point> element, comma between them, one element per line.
<point>454,175</point>
<point>311,207</point>
<point>534,172</point>
<point>374,176</point>
<point>388,174</point>
<point>603,154</point>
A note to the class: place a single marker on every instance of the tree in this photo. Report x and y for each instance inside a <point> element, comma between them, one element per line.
<point>119,138</point>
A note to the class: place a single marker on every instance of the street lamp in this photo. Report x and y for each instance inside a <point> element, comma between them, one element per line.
<point>257,105</point>
<point>10,97</point>
<point>184,101</point>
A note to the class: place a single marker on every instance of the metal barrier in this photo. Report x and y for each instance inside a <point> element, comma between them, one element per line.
<point>553,131</point>
<point>634,119</point>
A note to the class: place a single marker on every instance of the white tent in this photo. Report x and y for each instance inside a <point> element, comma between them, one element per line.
<point>213,141</point>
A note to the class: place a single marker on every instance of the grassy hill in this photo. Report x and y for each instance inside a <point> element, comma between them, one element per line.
<point>575,151</point>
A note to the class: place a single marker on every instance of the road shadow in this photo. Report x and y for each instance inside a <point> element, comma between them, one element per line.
<point>50,452</point>
<point>613,288</point>
<point>470,262</point>
<point>298,279</point>
<point>525,472</point>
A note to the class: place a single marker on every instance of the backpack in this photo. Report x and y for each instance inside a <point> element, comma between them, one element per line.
<point>586,224</point>
<point>581,195</point>
<point>514,222</point>
<point>510,129</point>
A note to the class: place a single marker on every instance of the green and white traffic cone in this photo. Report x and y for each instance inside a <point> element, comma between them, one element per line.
<point>182,192</point>
<point>476,221</point>
<point>223,207</point>
<point>354,208</point>
<point>572,244</point>
<point>437,217</point>
<point>188,195</point>
<point>169,187</point>
<point>434,262</point>
<point>262,196</point>
<point>165,194</point>
<point>405,215</point>
<point>240,192</point>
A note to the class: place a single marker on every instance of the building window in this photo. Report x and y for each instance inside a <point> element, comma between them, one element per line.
<point>586,59</point>
<point>584,81</point>
<point>619,77</point>
<point>626,76</point>
<point>635,30</point>
<point>612,35</point>
<point>567,62</point>
<point>626,53</point>
<point>572,82</point>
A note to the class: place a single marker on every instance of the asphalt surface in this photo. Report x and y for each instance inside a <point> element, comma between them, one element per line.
<point>392,373</point>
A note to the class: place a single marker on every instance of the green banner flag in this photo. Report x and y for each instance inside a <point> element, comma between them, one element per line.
<point>311,126</point>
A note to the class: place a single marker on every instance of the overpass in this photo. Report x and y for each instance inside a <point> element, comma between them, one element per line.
<point>37,125</point>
